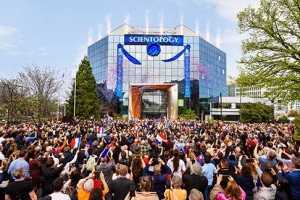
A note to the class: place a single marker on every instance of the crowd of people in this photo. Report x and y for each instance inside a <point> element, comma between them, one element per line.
<point>149,159</point>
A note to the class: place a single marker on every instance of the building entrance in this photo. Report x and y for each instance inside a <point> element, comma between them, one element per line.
<point>153,101</point>
<point>154,104</point>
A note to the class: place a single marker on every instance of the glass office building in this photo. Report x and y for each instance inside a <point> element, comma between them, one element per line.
<point>207,66</point>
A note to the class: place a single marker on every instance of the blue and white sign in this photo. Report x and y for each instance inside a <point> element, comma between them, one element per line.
<point>175,40</point>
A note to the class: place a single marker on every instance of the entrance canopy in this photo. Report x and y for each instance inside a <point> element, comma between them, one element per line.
<point>136,93</point>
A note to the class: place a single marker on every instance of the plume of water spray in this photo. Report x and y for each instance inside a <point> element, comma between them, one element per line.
<point>127,18</point>
<point>90,36</point>
<point>108,24</point>
<point>197,29</point>
<point>99,31</point>
<point>218,39</point>
<point>181,23</point>
<point>126,21</point>
<point>161,26</point>
<point>207,31</point>
<point>147,21</point>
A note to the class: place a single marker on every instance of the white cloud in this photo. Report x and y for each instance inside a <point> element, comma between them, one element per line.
<point>9,38</point>
<point>6,31</point>
<point>229,9</point>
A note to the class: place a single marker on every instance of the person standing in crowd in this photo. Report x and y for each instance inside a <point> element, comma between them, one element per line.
<point>119,188</point>
<point>20,188</point>
<point>82,155</point>
<point>50,172</point>
<point>20,163</point>
<point>144,188</point>
<point>224,170</point>
<point>268,190</point>
<point>209,171</point>
<point>57,194</point>
<point>193,178</point>
<point>175,192</point>
<point>158,180</point>
<point>293,177</point>
<point>176,165</point>
<point>231,191</point>
<point>136,168</point>
<point>268,157</point>
<point>106,168</point>
<point>246,181</point>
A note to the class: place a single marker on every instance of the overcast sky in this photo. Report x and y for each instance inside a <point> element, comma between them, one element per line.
<point>56,33</point>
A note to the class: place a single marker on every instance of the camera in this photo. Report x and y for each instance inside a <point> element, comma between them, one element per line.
<point>249,160</point>
<point>268,170</point>
<point>97,174</point>
<point>168,184</point>
<point>132,189</point>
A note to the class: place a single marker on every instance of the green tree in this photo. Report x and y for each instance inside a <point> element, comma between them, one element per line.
<point>271,53</point>
<point>86,101</point>
<point>189,114</point>
<point>283,119</point>
<point>297,125</point>
<point>256,112</point>
<point>294,113</point>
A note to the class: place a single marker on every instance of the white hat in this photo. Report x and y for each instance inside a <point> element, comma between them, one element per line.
<point>88,185</point>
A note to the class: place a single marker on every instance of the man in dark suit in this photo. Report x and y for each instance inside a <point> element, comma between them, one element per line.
<point>120,187</point>
<point>193,178</point>
<point>225,171</point>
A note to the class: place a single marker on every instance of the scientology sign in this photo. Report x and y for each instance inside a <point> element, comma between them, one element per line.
<point>176,40</point>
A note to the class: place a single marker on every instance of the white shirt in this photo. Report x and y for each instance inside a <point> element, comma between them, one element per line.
<point>59,196</point>
<point>181,167</point>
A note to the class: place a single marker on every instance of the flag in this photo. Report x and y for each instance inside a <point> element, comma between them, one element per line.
<point>106,150</point>
<point>149,127</point>
<point>200,159</point>
<point>75,142</point>
<point>169,125</point>
<point>100,131</point>
<point>182,150</point>
<point>160,137</point>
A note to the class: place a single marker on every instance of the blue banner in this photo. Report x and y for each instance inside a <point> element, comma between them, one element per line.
<point>177,55</point>
<point>128,56</point>
<point>119,86</point>
<point>187,77</point>
<point>175,40</point>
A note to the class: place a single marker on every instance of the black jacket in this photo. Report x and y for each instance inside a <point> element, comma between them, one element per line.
<point>226,172</point>
<point>49,175</point>
<point>120,188</point>
<point>198,182</point>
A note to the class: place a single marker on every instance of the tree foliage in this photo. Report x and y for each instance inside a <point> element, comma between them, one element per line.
<point>86,101</point>
<point>297,131</point>
<point>189,114</point>
<point>283,119</point>
<point>11,99</point>
<point>271,53</point>
<point>41,86</point>
<point>256,112</point>
<point>294,113</point>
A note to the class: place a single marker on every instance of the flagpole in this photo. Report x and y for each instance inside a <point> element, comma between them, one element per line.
<point>74,114</point>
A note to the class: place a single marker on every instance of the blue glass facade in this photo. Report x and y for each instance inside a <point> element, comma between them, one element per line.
<point>207,66</point>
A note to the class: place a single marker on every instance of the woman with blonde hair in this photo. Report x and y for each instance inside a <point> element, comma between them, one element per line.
<point>231,192</point>
<point>175,192</point>
<point>196,195</point>
<point>145,188</point>
<point>191,159</point>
